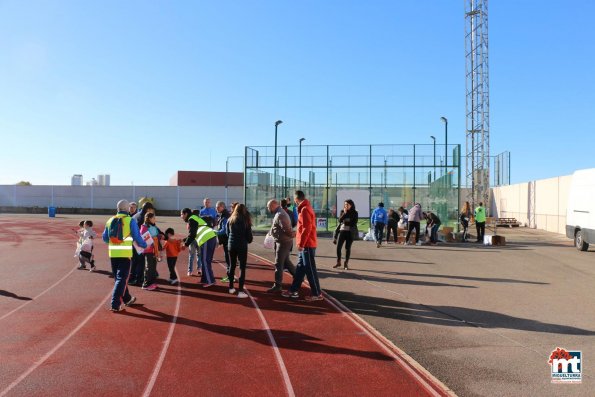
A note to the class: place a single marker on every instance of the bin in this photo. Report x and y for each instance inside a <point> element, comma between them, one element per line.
<point>52,212</point>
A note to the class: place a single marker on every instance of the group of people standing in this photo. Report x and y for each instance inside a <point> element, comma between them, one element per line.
<point>135,245</point>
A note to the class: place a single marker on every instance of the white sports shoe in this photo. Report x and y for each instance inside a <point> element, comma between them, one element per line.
<point>232,291</point>
<point>242,294</point>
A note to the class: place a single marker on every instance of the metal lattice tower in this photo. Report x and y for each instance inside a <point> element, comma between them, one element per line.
<point>478,101</point>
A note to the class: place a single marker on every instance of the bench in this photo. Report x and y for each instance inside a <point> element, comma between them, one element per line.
<point>510,222</point>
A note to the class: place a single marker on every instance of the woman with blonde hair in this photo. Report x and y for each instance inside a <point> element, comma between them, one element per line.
<point>239,230</point>
<point>465,217</point>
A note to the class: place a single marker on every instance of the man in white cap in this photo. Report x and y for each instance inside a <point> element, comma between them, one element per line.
<point>119,234</point>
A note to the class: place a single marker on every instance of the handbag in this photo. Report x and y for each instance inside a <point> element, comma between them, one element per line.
<point>354,232</point>
<point>269,242</point>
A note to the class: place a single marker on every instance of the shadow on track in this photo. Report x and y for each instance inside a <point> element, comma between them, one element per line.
<point>13,295</point>
<point>285,339</point>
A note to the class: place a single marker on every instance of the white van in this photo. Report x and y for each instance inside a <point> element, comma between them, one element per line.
<point>580,215</point>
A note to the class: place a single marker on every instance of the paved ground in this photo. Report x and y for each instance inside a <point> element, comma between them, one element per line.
<point>483,320</point>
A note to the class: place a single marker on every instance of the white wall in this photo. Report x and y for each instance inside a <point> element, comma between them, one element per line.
<point>105,197</point>
<point>540,204</point>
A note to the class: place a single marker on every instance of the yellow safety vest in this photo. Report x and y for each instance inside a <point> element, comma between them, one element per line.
<point>123,250</point>
<point>204,233</point>
<point>480,214</point>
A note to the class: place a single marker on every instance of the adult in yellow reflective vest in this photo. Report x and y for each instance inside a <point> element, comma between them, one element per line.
<point>480,222</point>
<point>120,254</point>
<point>205,237</point>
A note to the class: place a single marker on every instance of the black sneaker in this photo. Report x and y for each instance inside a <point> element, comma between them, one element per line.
<point>275,288</point>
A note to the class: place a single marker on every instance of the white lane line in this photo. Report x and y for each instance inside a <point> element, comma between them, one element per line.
<point>168,338</point>
<point>282,367</point>
<point>267,328</point>
<point>58,346</point>
<point>406,362</point>
<point>38,296</point>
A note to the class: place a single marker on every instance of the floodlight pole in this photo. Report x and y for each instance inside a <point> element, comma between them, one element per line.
<point>275,161</point>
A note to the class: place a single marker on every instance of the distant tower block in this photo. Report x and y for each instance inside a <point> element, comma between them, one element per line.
<point>76,180</point>
<point>478,101</point>
<point>103,180</point>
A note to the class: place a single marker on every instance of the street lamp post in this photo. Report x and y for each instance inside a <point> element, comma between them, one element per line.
<point>300,178</point>
<point>445,121</point>
<point>434,139</point>
<point>275,161</point>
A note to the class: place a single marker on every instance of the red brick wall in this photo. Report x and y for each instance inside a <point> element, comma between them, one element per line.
<point>206,178</point>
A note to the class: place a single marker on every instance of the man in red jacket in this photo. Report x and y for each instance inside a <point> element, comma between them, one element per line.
<point>306,242</point>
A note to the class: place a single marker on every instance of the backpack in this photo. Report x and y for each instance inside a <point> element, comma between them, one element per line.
<point>115,233</point>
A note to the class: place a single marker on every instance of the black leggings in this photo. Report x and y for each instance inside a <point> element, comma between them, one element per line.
<point>233,257</point>
<point>171,264</point>
<point>413,225</point>
<point>344,237</point>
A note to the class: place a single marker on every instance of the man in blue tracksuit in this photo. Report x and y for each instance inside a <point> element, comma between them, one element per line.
<point>378,220</point>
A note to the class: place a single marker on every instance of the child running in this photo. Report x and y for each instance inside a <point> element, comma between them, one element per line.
<point>86,250</point>
<point>149,252</point>
<point>172,246</point>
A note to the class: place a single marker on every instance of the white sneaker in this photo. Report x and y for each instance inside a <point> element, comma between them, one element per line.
<point>232,291</point>
<point>242,294</point>
<point>190,273</point>
<point>174,282</point>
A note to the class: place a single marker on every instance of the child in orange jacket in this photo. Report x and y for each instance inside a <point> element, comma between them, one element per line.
<point>172,247</point>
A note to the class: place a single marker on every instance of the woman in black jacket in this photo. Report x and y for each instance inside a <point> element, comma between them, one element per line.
<point>344,232</point>
<point>239,230</point>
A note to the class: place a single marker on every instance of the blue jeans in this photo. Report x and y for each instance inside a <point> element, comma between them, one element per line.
<point>306,266</point>
<point>207,250</point>
<point>193,253</point>
<point>434,233</point>
<point>379,232</point>
<point>121,270</point>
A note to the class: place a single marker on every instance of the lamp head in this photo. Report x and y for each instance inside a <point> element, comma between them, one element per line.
<point>444,119</point>
<point>278,122</point>
<point>302,140</point>
<point>433,137</point>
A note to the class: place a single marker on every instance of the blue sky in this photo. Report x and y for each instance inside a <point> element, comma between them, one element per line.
<point>141,89</point>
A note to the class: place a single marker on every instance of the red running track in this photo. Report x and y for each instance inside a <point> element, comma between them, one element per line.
<point>59,339</point>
